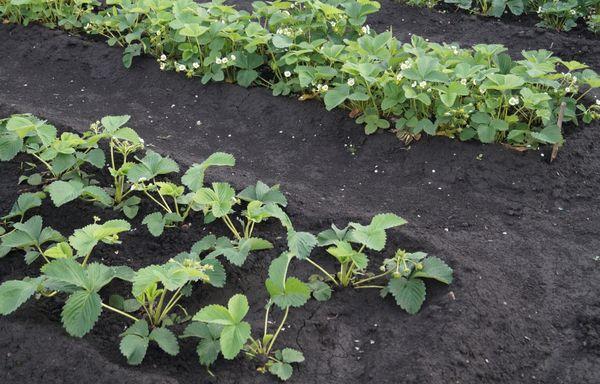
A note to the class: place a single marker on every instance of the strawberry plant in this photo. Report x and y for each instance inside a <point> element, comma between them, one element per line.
<point>404,272</point>
<point>69,272</point>
<point>222,330</point>
<point>325,50</point>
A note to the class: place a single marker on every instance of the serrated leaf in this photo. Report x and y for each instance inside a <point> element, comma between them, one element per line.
<point>14,293</point>
<point>155,223</point>
<point>263,193</point>
<point>219,200</point>
<point>321,291</point>
<point>290,355</point>
<point>238,307</point>
<point>62,192</point>
<point>194,176</point>
<point>301,243</point>
<point>10,145</point>
<point>24,203</point>
<point>166,340</point>
<point>134,348</point>
<point>435,268</point>
<point>282,370</point>
<point>150,166</point>
<point>409,293</point>
<point>233,338</point>
<point>214,314</point>
<point>112,123</point>
<point>67,271</point>
<point>208,351</point>
<point>295,293</point>
<point>29,233</point>
<point>85,239</point>
<point>80,312</point>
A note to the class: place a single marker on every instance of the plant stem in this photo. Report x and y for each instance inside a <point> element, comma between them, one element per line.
<point>287,310</point>
<point>370,286</point>
<point>371,278</point>
<point>329,275</point>
<point>119,312</point>
<point>231,227</point>
<point>266,320</point>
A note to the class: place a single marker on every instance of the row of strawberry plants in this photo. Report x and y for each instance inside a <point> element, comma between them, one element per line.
<point>561,15</point>
<point>66,167</point>
<point>325,50</point>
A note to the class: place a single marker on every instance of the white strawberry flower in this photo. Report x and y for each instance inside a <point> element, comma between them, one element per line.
<point>324,88</point>
<point>414,84</point>
<point>399,77</point>
<point>232,57</point>
<point>423,84</point>
<point>196,65</point>
<point>163,57</point>
<point>162,66</point>
<point>181,67</point>
<point>513,101</point>
<point>597,101</point>
<point>287,74</point>
<point>224,60</point>
<point>463,81</point>
<point>218,60</point>
<point>351,82</point>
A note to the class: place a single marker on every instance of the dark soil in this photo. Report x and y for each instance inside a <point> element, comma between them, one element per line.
<point>522,235</point>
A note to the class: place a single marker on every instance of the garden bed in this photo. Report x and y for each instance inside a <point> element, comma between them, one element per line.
<point>522,235</point>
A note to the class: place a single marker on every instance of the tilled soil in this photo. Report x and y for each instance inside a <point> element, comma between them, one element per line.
<point>521,234</point>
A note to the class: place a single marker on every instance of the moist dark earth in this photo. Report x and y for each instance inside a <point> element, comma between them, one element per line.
<point>522,234</point>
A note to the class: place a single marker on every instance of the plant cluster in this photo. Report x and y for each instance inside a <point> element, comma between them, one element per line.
<point>561,15</point>
<point>325,50</point>
<point>68,167</point>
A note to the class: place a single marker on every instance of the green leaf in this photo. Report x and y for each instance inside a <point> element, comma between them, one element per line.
<point>150,166</point>
<point>233,338</point>
<point>290,355</point>
<point>155,223</point>
<point>295,293</point>
<point>80,312</point>
<point>24,203</point>
<point>320,290</point>
<point>194,176</point>
<point>373,235</point>
<point>29,233</point>
<point>135,342</point>
<point>550,135</point>
<point>85,239</point>
<point>238,307</point>
<point>208,350</point>
<point>219,200</point>
<point>134,348</point>
<point>61,250</point>
<point>214,314</point>
<point>10,145</point>
<point>96,158</point>
<point>62,192</point>
<point>409,293</point>
<point>435,268</point>
<point>67,271</point>
<point>301,244</point>
<point>13,293</point>
<point>166,340</point>
<point>336,96</point>
<point>282,370</point>
<point>112,123</point>
<point>263,193</point>
<point>22,125</point>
